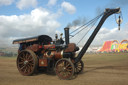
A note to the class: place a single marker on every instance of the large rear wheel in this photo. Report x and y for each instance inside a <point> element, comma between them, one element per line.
<point>27,62</point>
<point>64,69</point>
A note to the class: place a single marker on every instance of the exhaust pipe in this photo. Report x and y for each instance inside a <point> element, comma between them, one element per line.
<point>66,35</point>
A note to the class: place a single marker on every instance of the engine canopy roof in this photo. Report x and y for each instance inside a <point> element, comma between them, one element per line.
<point>40,38</point>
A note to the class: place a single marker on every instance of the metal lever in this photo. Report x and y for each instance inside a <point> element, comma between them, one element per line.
<point>61,35</point>
<point>56,36</point>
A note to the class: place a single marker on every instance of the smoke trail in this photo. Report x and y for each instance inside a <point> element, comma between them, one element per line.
<point>77,22</point>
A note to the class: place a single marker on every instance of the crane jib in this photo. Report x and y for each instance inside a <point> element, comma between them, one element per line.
<point>107,13</point>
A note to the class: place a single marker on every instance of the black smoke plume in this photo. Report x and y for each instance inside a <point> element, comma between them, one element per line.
<point>77,22</point>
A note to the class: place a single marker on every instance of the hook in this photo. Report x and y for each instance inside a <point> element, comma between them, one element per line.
<point>119,21</point>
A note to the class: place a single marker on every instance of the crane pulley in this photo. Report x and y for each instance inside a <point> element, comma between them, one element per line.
<point>119,21</point>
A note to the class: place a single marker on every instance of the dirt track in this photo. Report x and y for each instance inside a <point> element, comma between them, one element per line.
<point>99,69</point>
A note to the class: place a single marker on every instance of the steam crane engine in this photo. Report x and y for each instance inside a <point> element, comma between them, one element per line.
<point>42,52</point>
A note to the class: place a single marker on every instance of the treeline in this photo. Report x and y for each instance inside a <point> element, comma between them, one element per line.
<point>9,54</point>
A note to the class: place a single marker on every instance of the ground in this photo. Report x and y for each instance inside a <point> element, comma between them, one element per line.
<point>99,69</point>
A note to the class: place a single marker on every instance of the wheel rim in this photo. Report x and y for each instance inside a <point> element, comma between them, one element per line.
<point>26,62</point>
<point>64,69</point>
<point>79,67</point>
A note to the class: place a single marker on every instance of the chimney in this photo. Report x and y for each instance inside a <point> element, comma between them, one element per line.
<point>66,35</point>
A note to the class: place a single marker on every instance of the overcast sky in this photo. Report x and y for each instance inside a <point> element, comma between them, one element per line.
<point>26,18</point>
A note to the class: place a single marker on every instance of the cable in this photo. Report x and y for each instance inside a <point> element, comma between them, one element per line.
<point>86,23</point>
<point>89,23</point>
<point>121,15</point>
<point>86,32</point>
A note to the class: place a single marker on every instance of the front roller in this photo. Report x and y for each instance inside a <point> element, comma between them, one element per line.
<point>27,62</point>
<point>79,67</point>
<point>64,69</point>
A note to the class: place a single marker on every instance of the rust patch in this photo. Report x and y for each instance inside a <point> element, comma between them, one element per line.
<point>71,48</point>
<point>49,46</point>
<point>34,47</point>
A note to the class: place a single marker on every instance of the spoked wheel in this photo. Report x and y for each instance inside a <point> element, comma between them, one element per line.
<point>27,62</point>
<point>64,69</point>
<point>79,67</point>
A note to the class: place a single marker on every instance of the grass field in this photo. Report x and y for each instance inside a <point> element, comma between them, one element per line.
<point>99,69</point>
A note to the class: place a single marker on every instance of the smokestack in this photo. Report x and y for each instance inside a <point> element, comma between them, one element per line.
<point>66,35</point>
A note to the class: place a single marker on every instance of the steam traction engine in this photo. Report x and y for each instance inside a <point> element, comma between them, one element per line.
<point>42,52</point>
